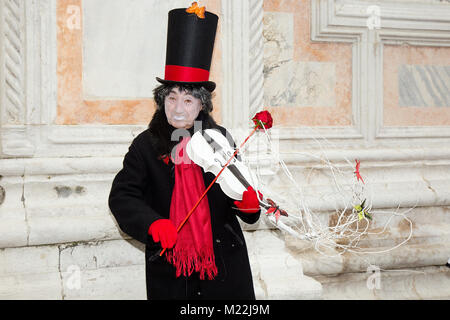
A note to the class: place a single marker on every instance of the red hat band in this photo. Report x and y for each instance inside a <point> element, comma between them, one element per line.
<point>185,74</point>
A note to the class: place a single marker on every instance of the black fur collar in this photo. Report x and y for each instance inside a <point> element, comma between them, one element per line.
<point>161,130</point>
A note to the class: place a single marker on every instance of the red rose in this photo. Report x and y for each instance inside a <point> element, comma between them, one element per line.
<point>265,118</point>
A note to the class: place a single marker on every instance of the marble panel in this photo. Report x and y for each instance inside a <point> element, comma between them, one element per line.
<point>278,33</point>
<point>415,89</point>
<point>424,86</point>
<point>301,84</point>
<point>108,57</point>
<point>305,83</point>
<point>124,46</point>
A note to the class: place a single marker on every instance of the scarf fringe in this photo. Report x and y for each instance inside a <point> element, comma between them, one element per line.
<point>186,262</point>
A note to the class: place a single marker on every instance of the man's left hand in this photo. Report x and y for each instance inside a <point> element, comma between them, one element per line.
<point>250,202</point>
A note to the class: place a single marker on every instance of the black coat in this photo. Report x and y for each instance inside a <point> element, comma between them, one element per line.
<point>141,194</point>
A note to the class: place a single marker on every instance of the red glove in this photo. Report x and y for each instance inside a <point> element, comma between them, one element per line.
<point>164,230</point>
<point>250,202</point>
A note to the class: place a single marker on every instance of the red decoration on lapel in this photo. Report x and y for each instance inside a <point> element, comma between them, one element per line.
<point>358,175</point>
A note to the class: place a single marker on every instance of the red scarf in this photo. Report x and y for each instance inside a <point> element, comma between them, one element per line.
<point>193,250</point>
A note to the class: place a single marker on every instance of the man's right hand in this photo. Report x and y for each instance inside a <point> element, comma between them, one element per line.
<point>163,230</point>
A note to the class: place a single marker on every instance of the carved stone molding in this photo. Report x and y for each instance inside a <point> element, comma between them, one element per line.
<point>420,24</point>
<point>14,136</point>
<point>28,77</point>
<point>242,61</point>
<point>13,61</point>
<point>43,193</point>
<point>256,63</point>
<point>29,83</point>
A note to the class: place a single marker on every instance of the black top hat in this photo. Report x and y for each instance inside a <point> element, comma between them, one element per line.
<point>190,44</point>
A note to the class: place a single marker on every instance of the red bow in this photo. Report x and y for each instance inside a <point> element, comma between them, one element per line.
<point>358,175</point>
<point>275,210</point>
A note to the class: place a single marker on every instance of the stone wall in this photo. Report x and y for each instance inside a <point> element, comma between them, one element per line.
<point>370,77</point>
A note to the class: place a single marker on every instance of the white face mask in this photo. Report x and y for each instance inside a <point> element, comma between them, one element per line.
<point>181,108</point>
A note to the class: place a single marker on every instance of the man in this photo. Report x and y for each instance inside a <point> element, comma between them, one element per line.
<point>153,192</point>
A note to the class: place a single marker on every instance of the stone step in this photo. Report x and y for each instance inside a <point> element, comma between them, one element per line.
<point>406,256</point>
<point>419,283</point>
<point>427,245</point>
<point>276,273</point>
<point>97,270</point>
<point>115,269</point>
